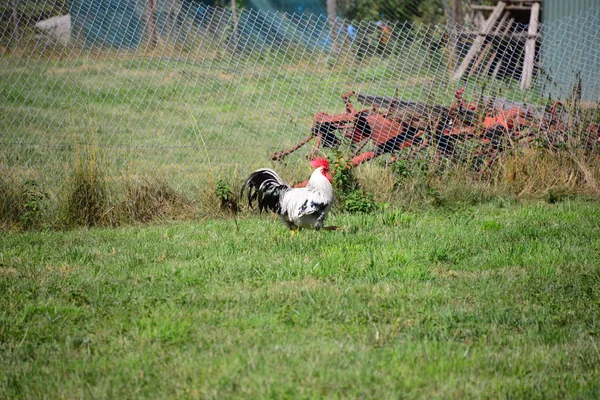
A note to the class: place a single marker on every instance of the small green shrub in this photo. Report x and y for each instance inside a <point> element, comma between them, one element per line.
<point>227,199</point>
<point>435,195</point>
<point>401,172</point>
<point>344,180</point>
<point>359,202</point>
<point>350,196</point>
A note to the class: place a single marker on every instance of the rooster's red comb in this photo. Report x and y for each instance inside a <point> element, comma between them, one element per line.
<point>320,162</point>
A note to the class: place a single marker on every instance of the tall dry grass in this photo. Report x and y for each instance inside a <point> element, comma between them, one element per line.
<point>86,202</point>
<point>535,173</point>
<point>11,201</point>
<point>528,173</point>
<point>91,199</point>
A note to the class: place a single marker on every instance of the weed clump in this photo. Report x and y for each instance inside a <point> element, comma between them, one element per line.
<point>33,199</point>
<point>22,205</point>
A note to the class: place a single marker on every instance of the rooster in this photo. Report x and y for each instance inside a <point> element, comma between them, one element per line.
<point>305,207</point>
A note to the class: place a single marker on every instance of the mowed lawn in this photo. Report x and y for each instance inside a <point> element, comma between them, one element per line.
<point>500,300</point>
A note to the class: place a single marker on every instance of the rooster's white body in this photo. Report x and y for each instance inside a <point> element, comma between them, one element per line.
<point>305,207</point>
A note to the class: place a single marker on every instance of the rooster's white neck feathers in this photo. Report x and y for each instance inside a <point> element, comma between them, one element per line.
<point>319,182</point>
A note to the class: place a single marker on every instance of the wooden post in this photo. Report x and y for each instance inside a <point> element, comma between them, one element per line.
<point>488,46</point>
<point>479,19</point>
<point>527,75</point>
<point>506,33</point>
<point>479,41</point>
<point>501,31</point>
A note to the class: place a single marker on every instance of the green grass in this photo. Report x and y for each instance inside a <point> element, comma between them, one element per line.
<point>495,301</point>
<point>176,114</point>
<point>156,117</point>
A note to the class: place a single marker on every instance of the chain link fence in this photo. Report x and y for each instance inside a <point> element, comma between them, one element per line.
<point>193,94</point>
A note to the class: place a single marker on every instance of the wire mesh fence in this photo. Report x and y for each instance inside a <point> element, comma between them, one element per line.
<point>189,94</point>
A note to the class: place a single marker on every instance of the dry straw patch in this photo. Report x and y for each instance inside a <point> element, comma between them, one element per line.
<point>533,172</point>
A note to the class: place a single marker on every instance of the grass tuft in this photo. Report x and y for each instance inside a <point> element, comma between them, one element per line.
<point>523,174</point>
<point>87,200</point>
<point>156,201</point>
<point>10,202</point>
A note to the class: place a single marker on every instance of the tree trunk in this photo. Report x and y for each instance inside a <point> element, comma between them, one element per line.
<point>456,20</point>
<point>234,36</point>
<point>332,16</point>
<point>15,38</point>
<point>457,13</point>
<point>151,36</point>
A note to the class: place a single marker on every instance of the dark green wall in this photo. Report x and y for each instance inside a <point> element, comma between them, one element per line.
<point>571,48</point>
<point>557,9</point>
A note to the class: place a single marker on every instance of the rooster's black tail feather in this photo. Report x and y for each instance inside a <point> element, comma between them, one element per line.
<point>265,186</point>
